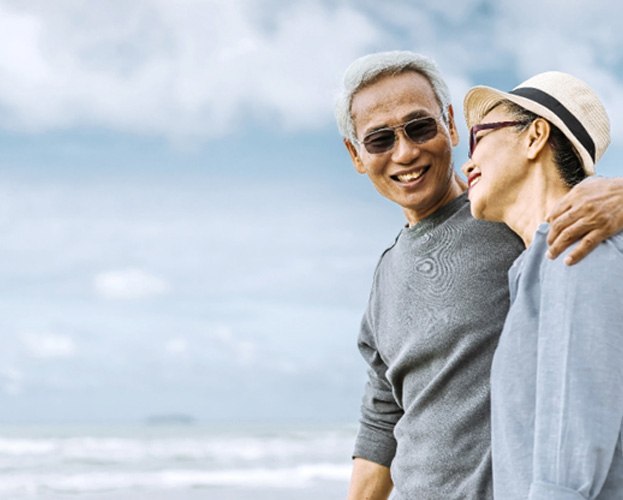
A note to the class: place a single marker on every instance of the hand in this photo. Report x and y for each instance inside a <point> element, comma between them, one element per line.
<point>591,212</point>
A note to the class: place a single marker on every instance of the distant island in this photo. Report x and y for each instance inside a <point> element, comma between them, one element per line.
<point>171,419</point>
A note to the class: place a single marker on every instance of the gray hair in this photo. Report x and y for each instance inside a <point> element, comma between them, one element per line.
<point>368,69</point>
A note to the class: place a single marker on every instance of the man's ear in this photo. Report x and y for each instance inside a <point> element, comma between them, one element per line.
<point>538,134</point>
<point>354,156</point>
<point>454,133</point>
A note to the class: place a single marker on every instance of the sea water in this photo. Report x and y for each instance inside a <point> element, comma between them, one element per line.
<point>166,462</point>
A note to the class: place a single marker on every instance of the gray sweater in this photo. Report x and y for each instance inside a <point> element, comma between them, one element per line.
<point>437,306</point>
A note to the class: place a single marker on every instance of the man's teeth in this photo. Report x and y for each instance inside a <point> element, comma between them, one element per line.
<point>410,177</point>
<point>474,181</point>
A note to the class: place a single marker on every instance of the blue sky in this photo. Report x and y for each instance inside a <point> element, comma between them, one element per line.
<point>182,230</point>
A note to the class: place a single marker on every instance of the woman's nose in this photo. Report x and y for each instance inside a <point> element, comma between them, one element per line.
<point>467,167</point>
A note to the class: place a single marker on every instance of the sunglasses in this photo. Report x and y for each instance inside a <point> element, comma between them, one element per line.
<point>473,140</point>
<point>418,130</point>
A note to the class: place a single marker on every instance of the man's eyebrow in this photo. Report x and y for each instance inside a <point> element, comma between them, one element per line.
<point>420,113</point>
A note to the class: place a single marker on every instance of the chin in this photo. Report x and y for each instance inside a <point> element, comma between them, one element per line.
<point>477,210</point>
<point>477,215</point>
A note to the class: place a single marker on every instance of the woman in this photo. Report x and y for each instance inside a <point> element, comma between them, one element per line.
<point>557,374</point>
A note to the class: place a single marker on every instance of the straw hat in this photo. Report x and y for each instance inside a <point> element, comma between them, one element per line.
<point>563,100</point>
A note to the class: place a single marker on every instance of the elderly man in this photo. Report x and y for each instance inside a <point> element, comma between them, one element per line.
<point>439,295</point>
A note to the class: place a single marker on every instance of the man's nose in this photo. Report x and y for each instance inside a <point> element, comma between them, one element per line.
<point>405,150</point>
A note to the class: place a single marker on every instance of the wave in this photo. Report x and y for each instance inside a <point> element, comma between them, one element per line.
<point>127,460</point>
<point>300,476</point>
<point>227,449</point>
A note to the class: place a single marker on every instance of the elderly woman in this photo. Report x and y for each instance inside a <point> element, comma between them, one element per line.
<point>557,375</point>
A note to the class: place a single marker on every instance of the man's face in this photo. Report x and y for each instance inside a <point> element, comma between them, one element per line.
<point>416,176</point>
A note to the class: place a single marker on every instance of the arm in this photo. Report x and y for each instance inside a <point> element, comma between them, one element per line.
<point>579,395</point>
<point>591,212</point>
<point>375,445</point>
<point>369,481</point>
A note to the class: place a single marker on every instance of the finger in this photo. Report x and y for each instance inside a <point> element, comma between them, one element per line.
<point>557,226</point>
<point>566,228</point>
<point>558,241</point>
<point>558,211</point>
<point>577,221</point>
<point>579,195</point>
<point>586,245</point>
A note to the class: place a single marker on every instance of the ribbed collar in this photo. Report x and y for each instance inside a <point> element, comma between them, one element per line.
<point>437,218</point>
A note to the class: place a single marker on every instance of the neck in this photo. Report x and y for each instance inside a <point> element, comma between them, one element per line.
<point>456,186</point>
<point>533,200</point>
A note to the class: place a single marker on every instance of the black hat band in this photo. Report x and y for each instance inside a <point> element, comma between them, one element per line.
<point>556,107</point>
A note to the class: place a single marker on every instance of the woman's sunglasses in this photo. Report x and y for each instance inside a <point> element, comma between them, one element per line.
<point>418,130</point>
<point>473,139</point>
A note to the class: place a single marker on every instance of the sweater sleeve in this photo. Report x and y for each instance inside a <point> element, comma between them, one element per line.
<point>579,391</point>
<point>379,409</point>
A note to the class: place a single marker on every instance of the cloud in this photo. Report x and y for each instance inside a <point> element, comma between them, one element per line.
<point>11,381</point>
<point>504,43</point>
<point>176,346</point>
<point>242,350</point>
<point>128,284</point>
<point>591,54</point>
<point>186,69</point>
<point>49,345</point>
<point>196,70</point>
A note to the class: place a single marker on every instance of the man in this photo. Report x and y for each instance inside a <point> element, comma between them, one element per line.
<point>439,295</point>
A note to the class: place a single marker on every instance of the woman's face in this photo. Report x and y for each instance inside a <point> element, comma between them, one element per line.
<point>496,167</point>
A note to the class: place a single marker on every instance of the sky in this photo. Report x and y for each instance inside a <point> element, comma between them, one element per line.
<point>182,231</point>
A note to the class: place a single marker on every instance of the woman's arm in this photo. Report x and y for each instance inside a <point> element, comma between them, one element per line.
<point>579,383</point>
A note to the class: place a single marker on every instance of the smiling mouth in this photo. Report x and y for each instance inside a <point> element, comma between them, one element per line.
<point>473,180</point>
<point>410,176</point>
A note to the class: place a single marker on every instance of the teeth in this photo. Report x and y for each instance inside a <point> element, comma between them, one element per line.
<point>474,181</point>
<point>410,177</point>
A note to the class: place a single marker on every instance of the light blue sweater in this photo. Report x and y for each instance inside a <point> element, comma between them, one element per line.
<point>557,378</point>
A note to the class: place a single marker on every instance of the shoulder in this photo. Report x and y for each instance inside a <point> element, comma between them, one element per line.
<point>603,265</point>
<point>616,242</point>
<point>394,248</point>
<point>493,238</point>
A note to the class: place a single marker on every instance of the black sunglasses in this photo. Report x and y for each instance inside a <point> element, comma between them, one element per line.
<point>418,130</point>
<point>473,140</point>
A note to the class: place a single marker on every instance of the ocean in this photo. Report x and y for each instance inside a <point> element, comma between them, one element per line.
<point>166,462</point>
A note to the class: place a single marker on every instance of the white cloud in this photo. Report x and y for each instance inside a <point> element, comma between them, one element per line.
<point>507,43</point>
<point>188,68</point>
<point>559,38</point>
<point>11,381</point>
<point>128,284</point>
<point>176,346</point>
<point>194,69</point>
<point>49,345</point>
<point>243,351</point>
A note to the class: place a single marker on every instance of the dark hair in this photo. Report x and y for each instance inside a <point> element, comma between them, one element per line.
<point>566,157</point>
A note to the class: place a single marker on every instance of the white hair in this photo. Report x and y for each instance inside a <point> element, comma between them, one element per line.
<point>367,69</point>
